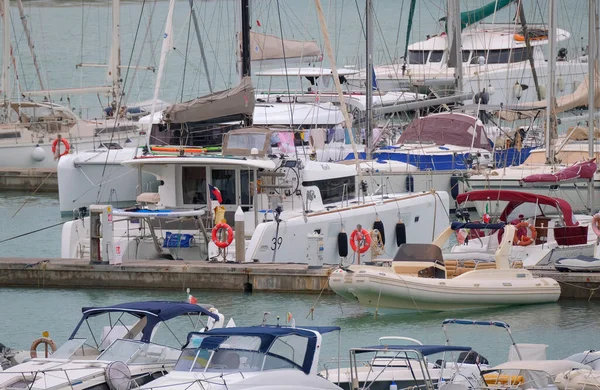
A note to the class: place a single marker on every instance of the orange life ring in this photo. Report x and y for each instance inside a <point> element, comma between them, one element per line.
<point>215,231</point>
<point>41,340</point>
<point>363,236</point>
<point>596,224</point>
<point>64,142</point>
<point>524,240</point>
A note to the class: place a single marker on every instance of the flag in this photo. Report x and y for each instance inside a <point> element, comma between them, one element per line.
<point>192,299</point>
<point>215,194</point>
<point>374,79</point>
<point>289,317</point>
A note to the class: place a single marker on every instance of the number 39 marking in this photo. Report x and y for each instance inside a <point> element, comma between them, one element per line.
<point>276,242</point>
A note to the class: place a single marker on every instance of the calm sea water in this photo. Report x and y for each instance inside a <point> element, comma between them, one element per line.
<point>567,327</point>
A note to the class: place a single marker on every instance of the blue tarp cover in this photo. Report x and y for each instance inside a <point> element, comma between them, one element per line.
<point>154,311</point>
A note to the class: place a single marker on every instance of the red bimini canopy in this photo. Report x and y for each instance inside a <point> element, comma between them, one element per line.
<point>447,129</point>
<point>517,198</point>
<point>580,170</point>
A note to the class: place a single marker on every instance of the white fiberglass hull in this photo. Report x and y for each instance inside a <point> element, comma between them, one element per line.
<point>97,177</point>
<point>382,288</point>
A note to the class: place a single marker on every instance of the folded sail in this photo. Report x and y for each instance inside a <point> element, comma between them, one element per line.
<point>223,106</point>
<point>579,97</point>
<point>269,47</point>
<point>581,171</point>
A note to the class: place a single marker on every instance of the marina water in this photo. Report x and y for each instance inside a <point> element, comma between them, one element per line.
<point>567,326</point>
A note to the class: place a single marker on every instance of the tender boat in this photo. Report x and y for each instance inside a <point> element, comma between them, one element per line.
<point>258,357</point>
<point>129,350</point>
<point>419,279</point>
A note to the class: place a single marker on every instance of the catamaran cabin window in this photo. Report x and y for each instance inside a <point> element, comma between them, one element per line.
<point>246,178</point>
<point>334,190</point>
<point>194,185</point>
<point>436,56</point>
<point>224,180</point>
<point>502,56</point>
<point>465,55</point>
<point>417,56</point>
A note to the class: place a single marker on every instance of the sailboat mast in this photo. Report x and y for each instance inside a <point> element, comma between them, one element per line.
<point>30,42</point>
<point>200,44</point>
<point>115,55</point>
<point>6,54</point>
<point>592,64</point>
<point>455,53</point>
<point>245,52</point>
<point>369,76</point>
<point>550,110</point>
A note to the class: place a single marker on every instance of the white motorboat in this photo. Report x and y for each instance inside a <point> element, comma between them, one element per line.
<point>293,210</point>
<point>419,279</point>
<point>547,228</point>
<point>578,264</point>
<point>388,363</point>
<point>494,58</point>
<point>130,350</point>
<point>257,357</point>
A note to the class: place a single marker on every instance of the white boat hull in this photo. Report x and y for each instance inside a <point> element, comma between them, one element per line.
<point>382,288</point>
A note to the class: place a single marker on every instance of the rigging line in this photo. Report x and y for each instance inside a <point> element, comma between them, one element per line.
<point>120,99</point>
<point>31,196</point>
<point>287,79</point>
<point>187,46</point>
<point>139,60</point>
<point>31,232</point>
<point>398,29</point>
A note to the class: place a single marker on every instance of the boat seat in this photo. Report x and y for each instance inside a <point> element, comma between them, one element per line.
<point>458,267</point>
<point>517,264</point>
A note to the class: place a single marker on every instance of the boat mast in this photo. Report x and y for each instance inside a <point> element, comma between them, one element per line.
<point>6,56</point>
<point>455,52</point>
<point>30,43</point>
<point>529,48</point>
<point>245,49</point>
<point>115,55</point>
<point>592,64</point>
<point>369,78</point>
<point>551,109</point>
<point>200,44</point>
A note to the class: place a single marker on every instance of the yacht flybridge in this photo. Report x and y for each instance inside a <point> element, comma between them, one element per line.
<point>293,210</point>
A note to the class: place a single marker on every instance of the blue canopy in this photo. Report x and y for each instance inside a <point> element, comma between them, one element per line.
<point>424,350</point>
<point>500,324</point>
<point>267,334</point>
<point>154,311</point>
<point>475,225</point>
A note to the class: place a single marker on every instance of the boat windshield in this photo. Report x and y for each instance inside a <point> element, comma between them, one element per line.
<point>242,353</point>
<point>69,348</point>
<point>137,352</point>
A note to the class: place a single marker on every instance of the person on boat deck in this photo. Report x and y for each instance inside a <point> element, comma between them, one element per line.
<point>522,231</point>
<point>482,98</point>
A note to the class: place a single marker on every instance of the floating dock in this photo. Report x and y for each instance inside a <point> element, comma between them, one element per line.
<point>203,275</point>
<point>163,274</point>
<point>42,180</point>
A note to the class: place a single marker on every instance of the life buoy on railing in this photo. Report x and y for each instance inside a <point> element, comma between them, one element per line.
<point>361,237</point>
<point>596,224</point>
<point>524,240</point>
<point>64,142</point>
<point>215,232</point>
<point>42,340</point>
